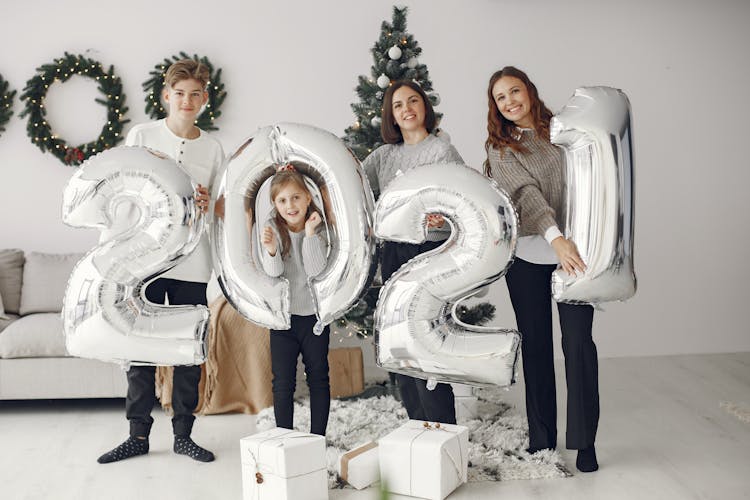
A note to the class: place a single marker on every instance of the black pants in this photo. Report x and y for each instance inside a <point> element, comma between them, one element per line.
<point>530,293</point>
<point>286,346</point>
<point>437,405</point>
<point>141,392</point>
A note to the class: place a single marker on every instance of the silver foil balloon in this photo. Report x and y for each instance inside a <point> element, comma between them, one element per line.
<point>594,130</point>
<point>417,332</point>
<point>339,187</point>
<point>105,314</point>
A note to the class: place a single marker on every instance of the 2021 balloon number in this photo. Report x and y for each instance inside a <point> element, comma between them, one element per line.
<point>416,330</point>
<point>147,202</point>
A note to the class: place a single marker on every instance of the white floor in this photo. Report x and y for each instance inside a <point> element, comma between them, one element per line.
<point>662,435</point>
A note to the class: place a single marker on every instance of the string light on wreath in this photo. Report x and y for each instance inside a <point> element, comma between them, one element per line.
<point>40,131</point>
<point>155,85</point>
<point>6,103</point>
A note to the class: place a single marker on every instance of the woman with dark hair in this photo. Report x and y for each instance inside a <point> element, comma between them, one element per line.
<point>522,160</point>
<point>408,121</point>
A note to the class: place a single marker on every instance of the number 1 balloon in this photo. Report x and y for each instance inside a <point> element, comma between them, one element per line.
<point>105,315</point>
<point>416,331</point>
<point>594,130</point>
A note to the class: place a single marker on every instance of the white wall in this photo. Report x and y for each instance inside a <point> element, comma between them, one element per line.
<point>683,64</point>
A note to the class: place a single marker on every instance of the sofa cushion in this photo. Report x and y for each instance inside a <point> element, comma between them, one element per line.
<point>7,320</point>
<point>45,276</point>
<point>34,336</point>
<point>11,275</point>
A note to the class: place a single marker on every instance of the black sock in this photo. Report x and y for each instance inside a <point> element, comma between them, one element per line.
<point>183,445</point>
<point>586,461</point>
<point>132,447</point>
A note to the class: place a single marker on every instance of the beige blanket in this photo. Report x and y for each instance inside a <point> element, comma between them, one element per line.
<point>236,377</point>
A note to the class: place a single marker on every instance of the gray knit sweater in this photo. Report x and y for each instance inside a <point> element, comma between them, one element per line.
<point>307,258</point>
<point>534,180</point>
<point>391,160</point>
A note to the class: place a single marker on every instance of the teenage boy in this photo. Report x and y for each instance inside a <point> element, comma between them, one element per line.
<point>200,155</point>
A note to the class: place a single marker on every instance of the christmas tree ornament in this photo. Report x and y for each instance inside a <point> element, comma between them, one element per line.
<point>376,121</point>
<point>395,52</point>
<point>105,316</point>
<point>383,81</point>
<point>413,62</point>
<point>434,98</point>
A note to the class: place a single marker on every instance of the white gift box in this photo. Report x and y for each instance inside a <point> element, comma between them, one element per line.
<point>467,407</point>
<point>281,464</point>
<point>425,460</point>
<point>360,466</point>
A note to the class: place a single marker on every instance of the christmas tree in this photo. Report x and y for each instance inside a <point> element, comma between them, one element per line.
<point>396,57</point>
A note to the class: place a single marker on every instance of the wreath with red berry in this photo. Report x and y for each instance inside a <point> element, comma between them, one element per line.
<point>40,131</point>
<point>216,93</point>
<point>6,103</point>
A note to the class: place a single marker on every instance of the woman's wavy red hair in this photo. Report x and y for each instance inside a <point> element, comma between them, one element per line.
<point>501,132</point>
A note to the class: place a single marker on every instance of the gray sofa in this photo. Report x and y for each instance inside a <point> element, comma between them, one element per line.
<point>33,361</point>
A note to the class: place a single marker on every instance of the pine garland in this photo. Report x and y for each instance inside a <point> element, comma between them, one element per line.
<point>216,93</point>
<point>363,136</point>
<point>40,132</point>
<point>6,103</point>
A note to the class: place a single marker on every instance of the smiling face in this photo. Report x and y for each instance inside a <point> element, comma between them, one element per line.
<point>408,109</point>
<point>512,100</point>
<point>185,99</point>
<point>291,202</point>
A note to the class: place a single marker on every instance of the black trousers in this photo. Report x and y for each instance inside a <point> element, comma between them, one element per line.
<point>530,294</point>
<point>437,405</point>
<point>286,346</point>
<point>141,395</point>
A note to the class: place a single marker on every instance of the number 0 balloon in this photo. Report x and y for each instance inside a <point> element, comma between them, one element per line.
<point>104,313</point>
<point>594,130</point>
<point>339,185</point>
<point>416,332</point>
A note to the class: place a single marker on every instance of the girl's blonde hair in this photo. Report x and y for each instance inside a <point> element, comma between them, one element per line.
<point>280,180</point>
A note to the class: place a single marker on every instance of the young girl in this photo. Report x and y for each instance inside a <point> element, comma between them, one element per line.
<point>408,121</point>
<point>293,248</point>
<point>522,160</point>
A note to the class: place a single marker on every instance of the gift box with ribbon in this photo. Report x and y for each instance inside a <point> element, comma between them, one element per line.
<point>281,464</point>
<point>359,466</point>
<point>424,459</point>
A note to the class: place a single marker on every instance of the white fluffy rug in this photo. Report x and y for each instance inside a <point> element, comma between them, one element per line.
<point>497,438</point>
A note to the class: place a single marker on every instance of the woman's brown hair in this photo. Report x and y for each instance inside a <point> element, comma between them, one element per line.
<point>281,179</point>
<point>501,132</point>
<point>391,132</point>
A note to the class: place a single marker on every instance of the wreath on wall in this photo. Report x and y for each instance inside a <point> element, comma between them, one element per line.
<point>40,131</point>
<point>216,93</point>
<point>6,103</point>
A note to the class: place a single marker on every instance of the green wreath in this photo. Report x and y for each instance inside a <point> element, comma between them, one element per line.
<point>216,93</point>
<point>61,70</point>
<point>6,103</point>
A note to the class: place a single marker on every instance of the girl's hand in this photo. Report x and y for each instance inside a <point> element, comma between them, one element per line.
<point>269,241</point>
<point>312,223</point>
<point>202,198</point>
<point>567,254</point>
<point>435,220</point>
